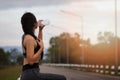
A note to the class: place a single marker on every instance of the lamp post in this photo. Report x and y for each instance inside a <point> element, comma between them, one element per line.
<point>67,49</point>
<point>81,18</point>
<point>116,40</point>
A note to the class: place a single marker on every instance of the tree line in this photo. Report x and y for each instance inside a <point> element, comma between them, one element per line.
<point>10,57</point>
<point>67,48</point>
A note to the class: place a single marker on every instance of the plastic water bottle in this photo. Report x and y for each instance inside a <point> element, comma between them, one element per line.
<point>43,22</point>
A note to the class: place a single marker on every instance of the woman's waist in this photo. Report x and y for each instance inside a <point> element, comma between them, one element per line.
<point>25,61</point>
<point>28,66</point>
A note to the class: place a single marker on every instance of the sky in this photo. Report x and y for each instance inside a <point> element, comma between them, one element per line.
<point>86,17</point>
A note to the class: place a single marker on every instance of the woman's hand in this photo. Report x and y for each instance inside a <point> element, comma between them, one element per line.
<point>40,42</point>
<point>41,26</point>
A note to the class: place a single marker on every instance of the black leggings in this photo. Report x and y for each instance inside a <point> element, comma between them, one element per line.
<point>34,74</point>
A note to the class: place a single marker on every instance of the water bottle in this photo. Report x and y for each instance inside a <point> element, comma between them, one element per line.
<point>43,22</point>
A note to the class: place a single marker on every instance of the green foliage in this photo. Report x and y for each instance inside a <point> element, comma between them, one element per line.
<point>11,57</point>
<point>14,54</point>
<point>62,45</point>
<point>105,37</point>
<point>20,59</point>
<point>72,47</point>
<point>4,57</point>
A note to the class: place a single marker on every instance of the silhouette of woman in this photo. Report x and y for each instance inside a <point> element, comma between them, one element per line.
<point>33,50</point>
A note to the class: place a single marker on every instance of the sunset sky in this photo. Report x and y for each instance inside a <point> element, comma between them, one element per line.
<point>87,16</point>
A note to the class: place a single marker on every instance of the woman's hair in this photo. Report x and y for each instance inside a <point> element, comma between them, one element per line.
<point>28,20</point>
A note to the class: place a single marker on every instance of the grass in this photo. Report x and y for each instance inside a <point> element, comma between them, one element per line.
<point>10,73</point>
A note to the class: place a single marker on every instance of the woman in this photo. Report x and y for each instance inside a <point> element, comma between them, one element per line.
<point>33,50</point>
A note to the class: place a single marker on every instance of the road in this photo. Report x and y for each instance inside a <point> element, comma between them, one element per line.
<point>76,75</point>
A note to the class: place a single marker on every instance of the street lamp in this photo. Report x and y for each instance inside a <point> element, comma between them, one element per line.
<point>116,41</point>
<point>80,17</point>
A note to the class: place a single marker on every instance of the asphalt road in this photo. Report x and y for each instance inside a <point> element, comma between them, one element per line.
<point>76,75</point>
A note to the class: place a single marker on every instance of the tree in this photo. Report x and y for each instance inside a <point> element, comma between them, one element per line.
<point>105,37</point>
<point>65,47</point>
<point>4,58</point>
<point>104,51</point>
<point>20,59</point>
<point>14,54</point>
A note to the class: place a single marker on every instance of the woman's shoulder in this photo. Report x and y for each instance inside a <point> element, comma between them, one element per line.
<point>28,38</point>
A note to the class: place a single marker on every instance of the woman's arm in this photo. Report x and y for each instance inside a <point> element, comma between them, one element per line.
<point>40,34</point>
<point>41,26</point>
<point>40,38</point>
<point>29,44</point>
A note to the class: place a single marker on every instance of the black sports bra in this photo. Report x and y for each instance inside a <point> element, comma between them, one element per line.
<point>35,49</point>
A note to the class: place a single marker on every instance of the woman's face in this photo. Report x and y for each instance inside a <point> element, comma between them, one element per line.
<point>35,25</point>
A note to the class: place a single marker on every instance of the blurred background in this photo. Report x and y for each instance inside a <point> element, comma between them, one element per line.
<point>79,31</point>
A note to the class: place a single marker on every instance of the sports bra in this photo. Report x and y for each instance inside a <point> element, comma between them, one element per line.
<point>35,49</point>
